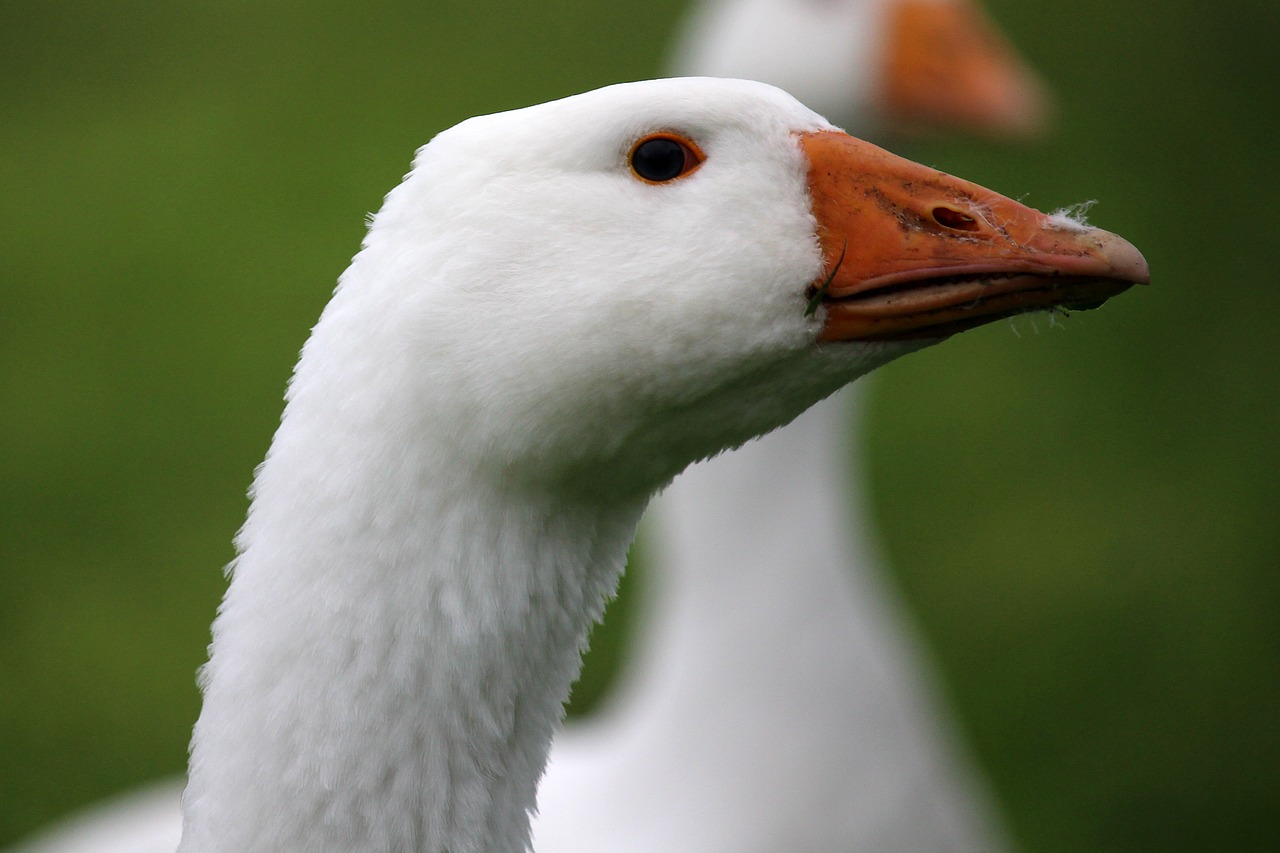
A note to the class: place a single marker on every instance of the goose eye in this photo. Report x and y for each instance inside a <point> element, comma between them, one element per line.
<point>662,157</point>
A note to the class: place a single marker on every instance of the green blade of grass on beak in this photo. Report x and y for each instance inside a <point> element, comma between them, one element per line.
<point>821,292</point>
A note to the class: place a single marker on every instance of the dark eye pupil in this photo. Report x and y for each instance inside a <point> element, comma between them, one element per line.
<point>658,159</point>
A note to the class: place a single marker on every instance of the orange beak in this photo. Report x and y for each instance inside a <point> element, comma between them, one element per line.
<point>947,66</point>
<point>912,252</point>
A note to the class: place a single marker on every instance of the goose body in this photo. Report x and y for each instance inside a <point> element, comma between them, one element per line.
<point>548,320</point>
<point>774,699</point>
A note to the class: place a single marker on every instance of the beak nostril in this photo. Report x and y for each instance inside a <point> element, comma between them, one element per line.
<point>949,217</point>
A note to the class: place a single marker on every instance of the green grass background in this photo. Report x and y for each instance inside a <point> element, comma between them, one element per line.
<point>1084,518</point>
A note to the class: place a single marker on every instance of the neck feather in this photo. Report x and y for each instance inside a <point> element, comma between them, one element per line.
<point>393,652</point>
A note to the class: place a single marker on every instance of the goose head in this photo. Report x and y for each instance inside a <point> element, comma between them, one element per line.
<point>899,65</point>
<point>601,289</point>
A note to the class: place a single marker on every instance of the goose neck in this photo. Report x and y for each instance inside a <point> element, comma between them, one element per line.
<point>391,659</point>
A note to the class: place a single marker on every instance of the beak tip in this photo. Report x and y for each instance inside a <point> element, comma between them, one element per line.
<point>1124,258</point>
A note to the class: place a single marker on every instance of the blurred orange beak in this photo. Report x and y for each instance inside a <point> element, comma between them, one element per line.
<point>947,66</point>
<point>911,252</point>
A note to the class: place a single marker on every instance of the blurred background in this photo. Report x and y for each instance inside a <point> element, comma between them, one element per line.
<point>1083,515</point>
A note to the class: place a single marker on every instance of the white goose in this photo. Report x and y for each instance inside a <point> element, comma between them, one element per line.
<point>872,65</point>
<point>762,603</point>
<point>558,310</point>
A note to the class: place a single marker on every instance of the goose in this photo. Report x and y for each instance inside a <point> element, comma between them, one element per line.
<point>763,600</point>
<point>882,65</point>
<point>556,311</point>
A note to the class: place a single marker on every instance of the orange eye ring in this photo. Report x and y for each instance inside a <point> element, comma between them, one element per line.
<point>659,158</point>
